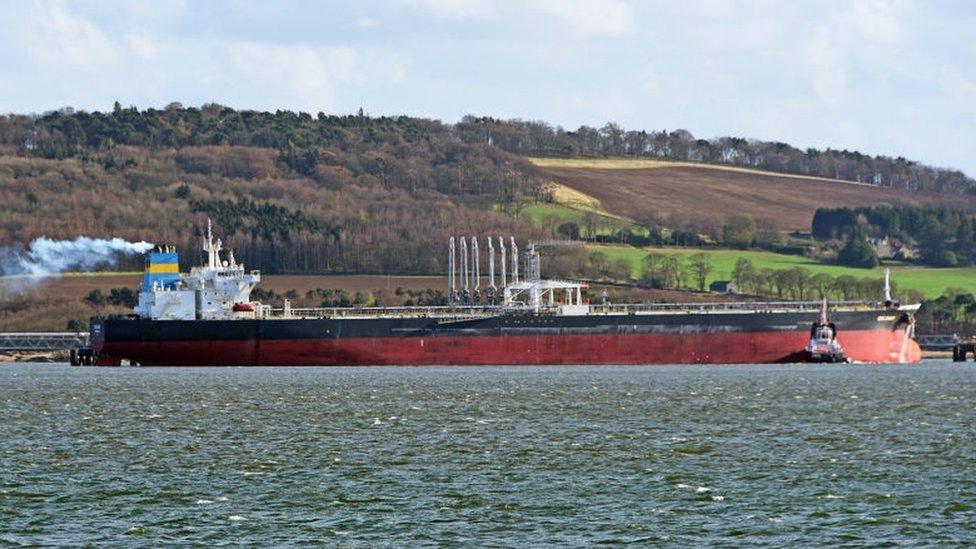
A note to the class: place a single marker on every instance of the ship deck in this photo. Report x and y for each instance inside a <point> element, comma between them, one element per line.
<point>482,311</point>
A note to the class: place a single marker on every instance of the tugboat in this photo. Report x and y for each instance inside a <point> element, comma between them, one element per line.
<point>823,346</point>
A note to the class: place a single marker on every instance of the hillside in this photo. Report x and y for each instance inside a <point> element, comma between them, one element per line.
<point>291,193</point>
<point>294,193</point>
<point>536,138</point>
<point>928,283</point>
<point>706,194</point>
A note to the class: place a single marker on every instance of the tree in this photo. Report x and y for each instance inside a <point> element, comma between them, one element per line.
<point>124,296</point>
<point>590,224</point>
<point>95,298</point>
<point>947,259</point>
<point>744,275</point>
<point>652,266</point>
<point>570,230</point>
<point>858,253</point>
<point>671,271</point>
<point>823,283</point>
<point>620,269</point>
<point>833,222</point>
<point>599,264</point>
<point>75,325</point>
<point>767,235</point>
<point>700,265</point>
<point>800,278</point>
<point>847,286</point>
<point>739,231</point>
<point>764,281</point>
<point>782,280</point>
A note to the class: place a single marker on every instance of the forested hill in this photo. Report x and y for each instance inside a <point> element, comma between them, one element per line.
<point>293,192</point>
<point>300,137</point>
<point>538,138</point>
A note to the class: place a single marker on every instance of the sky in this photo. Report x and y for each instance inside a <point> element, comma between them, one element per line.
<point>884,77</point>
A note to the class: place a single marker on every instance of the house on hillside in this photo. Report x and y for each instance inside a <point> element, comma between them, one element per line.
<point>724,287</point>
<point>892,248</point>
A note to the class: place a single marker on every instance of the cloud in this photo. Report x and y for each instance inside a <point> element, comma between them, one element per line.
<point>57,40</point>
<point>865,74</point>
<point>456,9</point>
<point>142,46</point>
<point>366,22</point>
<point>573,19</point>
<point>88,63</point>
<point>585,18</point>
<point>310,76</point>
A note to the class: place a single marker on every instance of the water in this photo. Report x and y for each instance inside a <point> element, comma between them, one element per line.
<point>505,456</point>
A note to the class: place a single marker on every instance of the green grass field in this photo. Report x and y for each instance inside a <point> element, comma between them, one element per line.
<point>537,213</point>
<point>931,282</point>
<point>542,213</point>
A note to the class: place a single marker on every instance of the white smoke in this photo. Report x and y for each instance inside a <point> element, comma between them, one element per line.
<point>47,257</point>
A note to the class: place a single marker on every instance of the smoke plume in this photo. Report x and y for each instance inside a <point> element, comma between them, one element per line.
<point>47,257</point>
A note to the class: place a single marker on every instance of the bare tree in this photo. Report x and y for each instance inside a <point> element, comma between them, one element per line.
<point>700,265</point>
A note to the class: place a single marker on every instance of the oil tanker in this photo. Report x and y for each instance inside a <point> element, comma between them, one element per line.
<point>206,318</point>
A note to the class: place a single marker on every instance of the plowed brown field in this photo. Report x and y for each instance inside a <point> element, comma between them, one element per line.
<point>712,194</point>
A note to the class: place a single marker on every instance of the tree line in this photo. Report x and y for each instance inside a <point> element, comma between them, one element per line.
<point>288,191</point>
<point>952,313</point>
<point>680,271</point>
<point>402,151</point>
<point>540,138</point>
<point>943,236</point>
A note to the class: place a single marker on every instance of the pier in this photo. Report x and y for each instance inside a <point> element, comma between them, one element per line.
<point>962,350</point>
<point>77,344</point>
<point>43,341</point>
<point>948,342</point>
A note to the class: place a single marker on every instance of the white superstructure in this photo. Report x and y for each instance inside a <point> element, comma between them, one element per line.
<point>221,289</point>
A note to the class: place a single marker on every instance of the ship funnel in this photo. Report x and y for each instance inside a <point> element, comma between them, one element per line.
<point>162,269</point>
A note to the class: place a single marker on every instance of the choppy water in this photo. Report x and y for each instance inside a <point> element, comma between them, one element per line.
<point>504,456</point>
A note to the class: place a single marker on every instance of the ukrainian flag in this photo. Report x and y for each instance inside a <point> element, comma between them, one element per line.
<point>162,268</point>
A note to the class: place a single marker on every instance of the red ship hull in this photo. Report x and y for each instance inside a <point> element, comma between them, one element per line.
<point>888,346</point>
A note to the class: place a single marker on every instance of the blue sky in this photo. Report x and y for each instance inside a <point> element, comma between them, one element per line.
<point>895,77</point>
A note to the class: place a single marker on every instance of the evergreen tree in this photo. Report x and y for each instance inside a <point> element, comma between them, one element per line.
<point>858,253</point>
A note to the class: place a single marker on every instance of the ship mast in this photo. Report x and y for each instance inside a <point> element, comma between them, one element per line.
<point>212,248</point>
<point>887,287</point>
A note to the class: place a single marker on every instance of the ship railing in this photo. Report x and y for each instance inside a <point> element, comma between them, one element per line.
<point>730,306</point>
<point>470,311</point>
<point>440,311</point>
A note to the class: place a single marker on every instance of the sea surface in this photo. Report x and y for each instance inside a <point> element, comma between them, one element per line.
<point>519,456</point>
